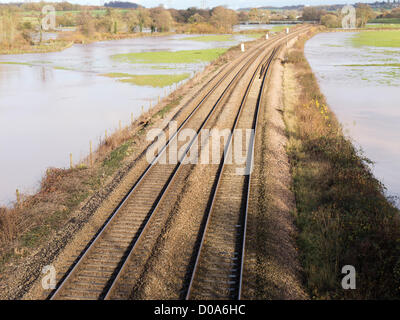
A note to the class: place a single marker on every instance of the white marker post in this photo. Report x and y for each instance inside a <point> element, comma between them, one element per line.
<point>267,36</point>
<point>242,47</point>
<point>287,30</point>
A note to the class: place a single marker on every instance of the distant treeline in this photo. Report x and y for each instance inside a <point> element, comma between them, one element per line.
<point>121,4</point>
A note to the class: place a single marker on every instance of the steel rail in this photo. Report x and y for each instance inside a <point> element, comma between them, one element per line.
<point>98,236</point>
<point>220,172</point>
<point>174,174</point>
<point>263,74</point>
<point>251,155</point>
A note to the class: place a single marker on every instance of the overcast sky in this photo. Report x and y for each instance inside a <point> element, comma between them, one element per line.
<point>234,4</point>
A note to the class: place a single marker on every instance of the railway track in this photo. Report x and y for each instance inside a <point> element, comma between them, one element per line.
<point>130,229</point>
<point>217,272</point>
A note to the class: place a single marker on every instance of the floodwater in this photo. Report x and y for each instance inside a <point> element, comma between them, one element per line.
<point>53,104</point>
<point>366,99</point>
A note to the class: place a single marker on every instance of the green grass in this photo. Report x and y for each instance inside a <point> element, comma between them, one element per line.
<point>383,25</point>
<point>254,35</point>
<point>373,65</point>
<point>63,68</point>
<point>185,56</point>
<point>211,38</point>
<point>385,20</point>
<point>377,39</point>
<point>279,28</point>
<point>222,37</point>
<point>153,80</point>
<point>35,236</point>
<point>115,158</point>
<point>17,63</point>
<point>342,214</point>
<point>169,106</point>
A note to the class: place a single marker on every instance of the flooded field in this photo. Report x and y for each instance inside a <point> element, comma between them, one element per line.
<point>362,85</point>
<point>53,104</point>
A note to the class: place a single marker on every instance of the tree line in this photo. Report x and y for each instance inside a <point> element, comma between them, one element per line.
<point>333,19</point>
<point>18,21</point>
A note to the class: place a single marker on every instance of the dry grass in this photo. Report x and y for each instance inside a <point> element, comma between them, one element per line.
<point>342,213</point>
<point>24,47</point>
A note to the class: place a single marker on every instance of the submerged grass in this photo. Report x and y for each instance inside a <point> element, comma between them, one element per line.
<point>17,63</point>
<point>185,56</point>
<point>377,39</point>
<point>373,65</point>
<point>342,214</point>
<point>153,80</point>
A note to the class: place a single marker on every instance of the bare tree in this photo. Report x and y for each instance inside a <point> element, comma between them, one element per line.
<point>223,18</point>
<point>86,24</point>
<point>364,13</point>
<point>8,26</point>
<point>131,20</point>
<point>144,18</point>
<point>162,19</point>
<point>313,13</point>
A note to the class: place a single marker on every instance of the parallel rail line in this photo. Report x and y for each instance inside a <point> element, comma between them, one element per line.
<point>217,272</point>
<point>102,260</point>
<point>99,267</point>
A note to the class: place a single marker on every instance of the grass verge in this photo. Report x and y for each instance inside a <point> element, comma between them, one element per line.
<point>342,214</point>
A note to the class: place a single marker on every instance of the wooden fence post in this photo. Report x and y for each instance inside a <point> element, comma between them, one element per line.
<point>91,155</point>
<point>18,198</point>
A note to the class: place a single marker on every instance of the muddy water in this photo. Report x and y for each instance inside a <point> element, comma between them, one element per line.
<point>366,99</point>
<point>53,104</point>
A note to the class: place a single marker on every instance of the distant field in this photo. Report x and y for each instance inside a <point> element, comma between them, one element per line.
<point>280,28</point>
<point>377,39</point>
<point>222,37</point>
<point>97,12</point>
<point>211,38</point>
<point>388,20</point>
<point>185,56</point>
<point>254,35</point>
<point>383,25</point>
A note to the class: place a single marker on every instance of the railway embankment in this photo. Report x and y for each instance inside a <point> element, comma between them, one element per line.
<point>72,204</point>
<point>343,216</point>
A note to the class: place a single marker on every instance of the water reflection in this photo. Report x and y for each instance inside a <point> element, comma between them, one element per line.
<point>55,103</point>
<point>365,98</point>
